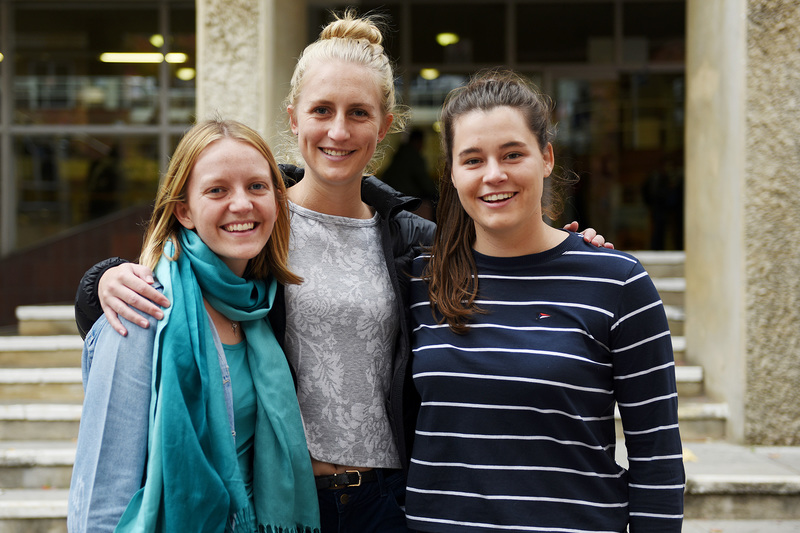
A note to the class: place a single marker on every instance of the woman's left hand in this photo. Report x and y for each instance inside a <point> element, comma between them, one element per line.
<point>590,235</point>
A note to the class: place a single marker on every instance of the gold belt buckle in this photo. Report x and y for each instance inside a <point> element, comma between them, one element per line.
<point>359,478</point>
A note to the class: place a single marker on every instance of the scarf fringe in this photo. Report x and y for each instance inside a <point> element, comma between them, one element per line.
<point>299,528</point>
<point>238,522</point>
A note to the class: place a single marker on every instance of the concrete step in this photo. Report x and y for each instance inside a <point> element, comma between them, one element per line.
<point>46,320</point>
<point>671,290</point>
<point>662,264</point>
<point>38,421</point>
<point>36,464</point>
<point>679,348</point>
<point>33,511</point>
<point>27,385</point>
<point>698,417</point>
<point>731,481</point>
<point>41,351</point>
<point>689,380</point>
<point>676,318</point>
<point>742,482</point>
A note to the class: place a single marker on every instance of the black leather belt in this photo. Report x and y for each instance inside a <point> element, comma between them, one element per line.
<point>351,478</point>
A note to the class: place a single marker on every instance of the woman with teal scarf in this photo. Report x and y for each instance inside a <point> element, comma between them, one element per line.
<point>170,445</point>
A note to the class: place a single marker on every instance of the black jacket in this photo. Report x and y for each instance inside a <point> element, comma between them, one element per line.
<point>403,236</point>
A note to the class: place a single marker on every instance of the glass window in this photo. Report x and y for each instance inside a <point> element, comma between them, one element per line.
<point>654,32</point>
<point>182,94</point>
<point>64,75</point>
<point>565,32</point>
<point>66,180</point>
<point>474,33</point>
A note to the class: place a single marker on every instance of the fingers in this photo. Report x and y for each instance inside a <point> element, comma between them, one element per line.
<point>572,226</point>
<point>113,321</point>
<point>125,288</point>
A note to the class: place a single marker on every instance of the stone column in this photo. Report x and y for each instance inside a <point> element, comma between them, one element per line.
<point>742,202</point>
<point>246,53</point>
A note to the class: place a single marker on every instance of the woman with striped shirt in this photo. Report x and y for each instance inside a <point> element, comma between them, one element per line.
<point>526,339</point>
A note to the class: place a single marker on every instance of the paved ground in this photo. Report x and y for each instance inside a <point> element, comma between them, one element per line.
<point>741,526</point>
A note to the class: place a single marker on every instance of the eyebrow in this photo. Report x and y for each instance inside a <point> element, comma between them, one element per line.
<point>316,103</point>
<point>475,149</point>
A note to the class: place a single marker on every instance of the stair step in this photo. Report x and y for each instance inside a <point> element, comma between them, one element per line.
<point>661,264</point>
<point>46,320</point>
<point>39,421</point>
<point>41,384</point>
<point>36,464</point>
<point>676,318</point>
<point>48,351</point>
<point>699,419</point>
<point>742,482</point>
<point>671,290</point>
<point>33,511</point>
<point>689,380</point>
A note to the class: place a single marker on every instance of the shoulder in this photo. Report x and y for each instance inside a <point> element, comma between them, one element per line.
<point>605,260</point>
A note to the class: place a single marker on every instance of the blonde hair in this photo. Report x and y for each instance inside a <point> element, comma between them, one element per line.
<point>351,39</point>
<point>164,225</point>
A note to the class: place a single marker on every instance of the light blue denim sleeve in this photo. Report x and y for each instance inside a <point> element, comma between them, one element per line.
<point>112,440</point>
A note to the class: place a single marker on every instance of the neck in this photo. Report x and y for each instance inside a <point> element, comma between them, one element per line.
<point>229,331</point>
<point>541,239</point>
<point>339,200</point>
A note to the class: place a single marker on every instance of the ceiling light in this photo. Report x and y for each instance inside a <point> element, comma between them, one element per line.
<point>176,57</point>
<point>185,74</point>
<point>446,39</point>
<point>157,40</point>
<point>148,57</point>
<point>429,73</point>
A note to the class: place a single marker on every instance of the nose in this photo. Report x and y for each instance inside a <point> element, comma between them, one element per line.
<point>338,130</point>
<point>240,202</point>
<point>494,172</point>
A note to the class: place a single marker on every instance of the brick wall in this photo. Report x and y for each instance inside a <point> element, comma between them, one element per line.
<point>49,273</point>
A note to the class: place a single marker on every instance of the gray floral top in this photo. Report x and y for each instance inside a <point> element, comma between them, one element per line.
<point>341,323</point>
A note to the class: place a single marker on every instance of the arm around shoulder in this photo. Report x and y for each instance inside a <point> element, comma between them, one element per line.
<point>87,304</point>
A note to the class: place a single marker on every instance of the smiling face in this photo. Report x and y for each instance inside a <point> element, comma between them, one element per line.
<point>230,201</point>
<point>498,170</point>
<point>339,121</point>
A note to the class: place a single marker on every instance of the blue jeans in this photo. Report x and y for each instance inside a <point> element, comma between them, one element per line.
<point>378,506</point>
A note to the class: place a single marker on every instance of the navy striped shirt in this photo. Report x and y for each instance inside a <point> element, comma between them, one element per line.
<point>516,430</point>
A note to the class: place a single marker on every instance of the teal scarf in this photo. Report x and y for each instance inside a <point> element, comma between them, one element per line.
<point>193,480</point>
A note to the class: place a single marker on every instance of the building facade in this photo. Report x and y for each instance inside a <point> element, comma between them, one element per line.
<point>646,92</point>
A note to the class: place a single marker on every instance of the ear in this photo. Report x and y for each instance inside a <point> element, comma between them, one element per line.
<point>387,122</point>
<point>292,118</point>
<point>549,159</point>
<point>184,215</point>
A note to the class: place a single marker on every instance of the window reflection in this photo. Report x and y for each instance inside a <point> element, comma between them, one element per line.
<point>59,78</point>
<point>654,31</point>
<point>565,32</point>
<point>67,180</point>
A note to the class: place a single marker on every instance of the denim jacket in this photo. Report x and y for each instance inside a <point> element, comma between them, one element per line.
<point>112,440</point>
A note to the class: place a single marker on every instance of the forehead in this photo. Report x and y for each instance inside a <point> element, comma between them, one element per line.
<point>495,126</point>
<point>228,156</point>
<point>340,82</point>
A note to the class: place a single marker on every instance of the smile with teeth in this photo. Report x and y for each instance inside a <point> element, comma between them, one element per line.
<point>328,151</point>
<point>242,226</point>
<point>497,197</point>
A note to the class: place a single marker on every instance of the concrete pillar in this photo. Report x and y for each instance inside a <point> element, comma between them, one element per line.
<point>246,54</point>
<point>742,201</point>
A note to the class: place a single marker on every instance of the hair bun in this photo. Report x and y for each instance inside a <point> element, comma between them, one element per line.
<point>350,26</point>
